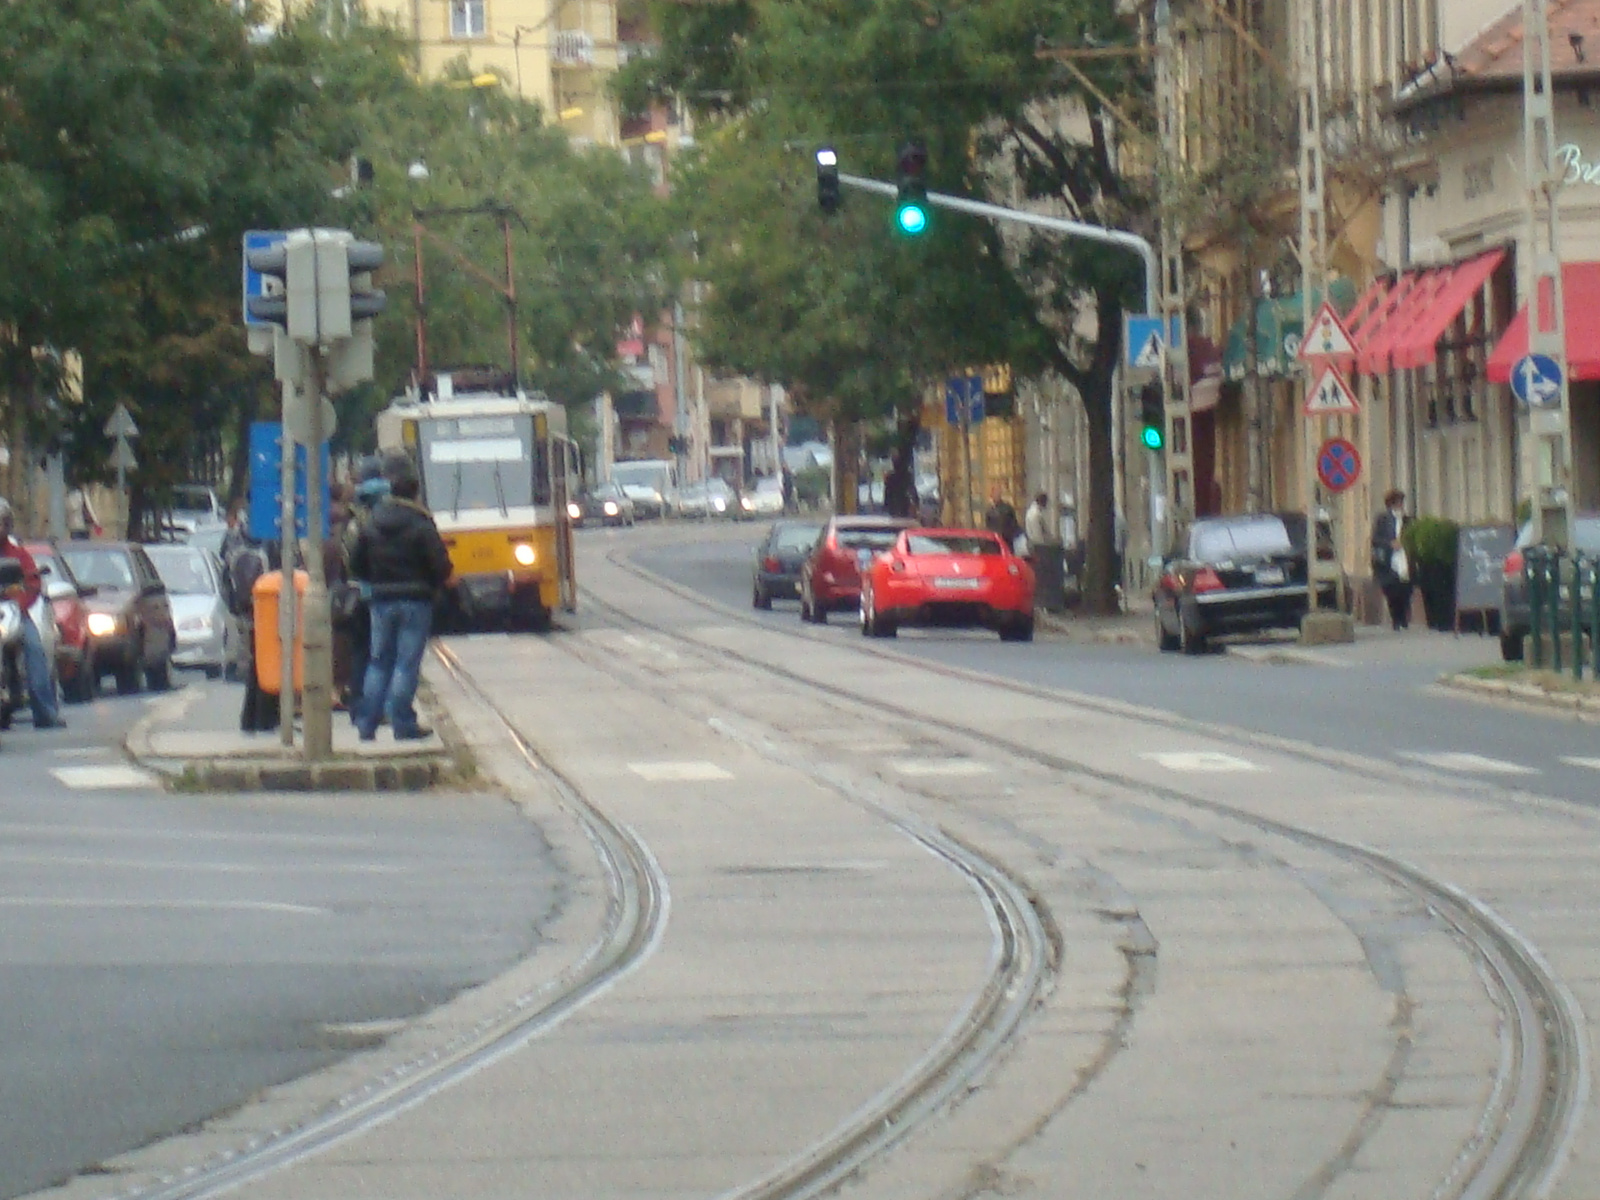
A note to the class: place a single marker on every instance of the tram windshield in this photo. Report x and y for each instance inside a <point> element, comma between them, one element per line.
<point>483,463</point>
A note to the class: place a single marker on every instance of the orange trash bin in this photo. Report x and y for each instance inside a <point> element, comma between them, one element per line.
<point>269,663</point>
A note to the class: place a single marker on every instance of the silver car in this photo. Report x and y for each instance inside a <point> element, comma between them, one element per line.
<point>205,627</point>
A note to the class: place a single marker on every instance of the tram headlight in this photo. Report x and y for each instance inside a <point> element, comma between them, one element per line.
<point>525,554</point>
<point>575,511</point>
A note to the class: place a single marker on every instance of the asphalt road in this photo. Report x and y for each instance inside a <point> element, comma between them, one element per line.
<point>163,958</point>
<point>1377,708</point>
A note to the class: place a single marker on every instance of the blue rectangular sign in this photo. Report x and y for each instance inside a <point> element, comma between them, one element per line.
<point>959,388</point>
<point>1146,340</point>
<point>254,282</point>
<point>266,492</point>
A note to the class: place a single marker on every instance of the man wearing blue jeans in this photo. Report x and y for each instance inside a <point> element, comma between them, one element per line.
<point>403,560</point>
<point>41,684</point>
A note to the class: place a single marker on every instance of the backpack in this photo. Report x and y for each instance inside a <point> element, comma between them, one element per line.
<point>248,564</point>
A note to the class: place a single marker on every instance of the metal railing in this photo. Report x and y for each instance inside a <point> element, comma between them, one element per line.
<point>1563,609</point>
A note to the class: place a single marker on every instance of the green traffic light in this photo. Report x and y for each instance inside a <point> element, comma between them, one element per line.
<point>1152,437</point>
<point>911,218</point>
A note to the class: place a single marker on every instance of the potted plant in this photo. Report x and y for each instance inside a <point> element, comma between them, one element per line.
<point>1430,544</point>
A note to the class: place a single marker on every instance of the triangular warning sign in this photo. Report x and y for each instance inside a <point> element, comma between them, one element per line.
<point>1150,354</point>
<point>1328,338</point>
<point>1330,395</point>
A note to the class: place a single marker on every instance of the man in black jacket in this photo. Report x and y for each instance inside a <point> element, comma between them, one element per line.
<point>403,560</point>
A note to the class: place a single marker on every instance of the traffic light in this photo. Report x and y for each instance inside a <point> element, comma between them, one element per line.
<point>1152,417</point>
<point>291,301</point>
<point>828,196</point>
<point>350,292</point>
<point>911,204</point>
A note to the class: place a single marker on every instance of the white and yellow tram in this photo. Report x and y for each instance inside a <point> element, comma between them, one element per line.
<point>498,472</point>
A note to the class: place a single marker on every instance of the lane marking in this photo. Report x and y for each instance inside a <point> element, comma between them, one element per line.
<point>83,752</point>
<point>224,868</point>
<point>679,772</point>
<point>1454,760</point>
<point>22,829</point>
<point>266,906</point>
<point>1592,764</point>
<point>1201,760</point>
<point>936,767</point>
<point>118,776</point>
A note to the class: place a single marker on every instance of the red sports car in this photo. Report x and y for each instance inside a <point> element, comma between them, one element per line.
<point>951,578</point>
<point>74,651</point>
<point>830,580</point>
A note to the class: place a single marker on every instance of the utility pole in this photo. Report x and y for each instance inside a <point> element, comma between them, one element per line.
<point>1175,390</point>
<point>1551,477</point>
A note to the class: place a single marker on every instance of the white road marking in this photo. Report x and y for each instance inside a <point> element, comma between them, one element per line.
<point>104,777</point>
<point>679,772</point>
<point>936,767</point>
<point>175,865</point>
<point>128,833</point>
<point>1454,760</point>
<point>271,906</point>
<point>1592,764</point>
<point>82,752</point>
<point>1201,760</point>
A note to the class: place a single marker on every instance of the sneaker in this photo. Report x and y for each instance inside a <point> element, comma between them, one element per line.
<point>366,736</point>
<point>50,723</point>
<point>420,733</point>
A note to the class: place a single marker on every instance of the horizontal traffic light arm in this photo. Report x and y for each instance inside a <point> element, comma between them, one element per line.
<point>1078,229</point>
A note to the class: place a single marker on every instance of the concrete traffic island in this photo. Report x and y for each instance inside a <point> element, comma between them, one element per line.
<point>192,741</point>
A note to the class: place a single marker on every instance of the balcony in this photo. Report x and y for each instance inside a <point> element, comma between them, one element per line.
<point>572,48</point>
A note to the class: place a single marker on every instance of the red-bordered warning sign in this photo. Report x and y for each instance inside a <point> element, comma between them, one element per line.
<point>1330,395</point>
<point>1328,339</point>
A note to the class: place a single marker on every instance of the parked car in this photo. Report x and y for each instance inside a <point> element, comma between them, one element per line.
<point>68,600</point>
<point>766,498</point>
<point>830,580</point>
<point>779,559</point>
<point>1516,611</point>
<point>197,591</point>
<point>952,578</point>
<point>1242,574</point>
<point>130,615</point>
<point>604,504</point>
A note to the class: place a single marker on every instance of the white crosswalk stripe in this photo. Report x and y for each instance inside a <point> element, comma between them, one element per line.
<point>1469,764</point>
<point>1201,760</point>
<point>1573,761</point>
<point>106,777</point>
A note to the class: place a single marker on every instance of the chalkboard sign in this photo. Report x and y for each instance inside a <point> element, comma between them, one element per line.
<point>1480,552</point>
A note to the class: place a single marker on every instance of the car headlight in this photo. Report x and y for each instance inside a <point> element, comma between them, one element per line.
<point>525,554</point>
<point>719,504</point>
<point>746,503</point>
<point>612,508</point>
<point>575,511</point>
<point>103,624</point>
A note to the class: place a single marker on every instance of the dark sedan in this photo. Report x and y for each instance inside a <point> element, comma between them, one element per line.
<point>1240,574</point>
<point>1516,614</point>
<point>779,559</point>
<point>606,504</point>
<point>130,616</point>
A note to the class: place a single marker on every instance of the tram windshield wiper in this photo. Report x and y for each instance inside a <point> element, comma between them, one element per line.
<point>500,490</point>
<point>455,500</point>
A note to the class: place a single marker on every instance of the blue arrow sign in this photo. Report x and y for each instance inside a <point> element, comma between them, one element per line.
<point>967,391</point>
<point>266,479</point>
<point>1536,381</point>
<point>254,281</point>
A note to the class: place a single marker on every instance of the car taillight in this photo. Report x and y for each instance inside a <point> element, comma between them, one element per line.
<point>1207,580</point>
<point>1513,565</point>
<point>769,565</point>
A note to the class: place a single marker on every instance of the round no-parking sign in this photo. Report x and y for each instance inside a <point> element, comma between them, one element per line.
<point>1338,464</point>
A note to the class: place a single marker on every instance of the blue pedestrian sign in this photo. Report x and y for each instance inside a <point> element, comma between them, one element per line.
<point>266,476</point>
<point>1536,381</point>
<point>255,283</point>
<point>1146,343</point>
<point>963,392</point>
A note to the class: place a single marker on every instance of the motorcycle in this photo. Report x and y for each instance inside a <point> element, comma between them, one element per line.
<point>13,691</point>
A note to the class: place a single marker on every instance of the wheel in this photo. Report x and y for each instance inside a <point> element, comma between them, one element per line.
<point>1017,631</point>
<point>819,613</point>
<point>85,684</point>
<point>805,606</point>
<point>760,599</point>
<point>1191,640</point>
<point>1167,642</point>
<point>1512,647</point>
<point>129,681</point>
<point>159,677</point>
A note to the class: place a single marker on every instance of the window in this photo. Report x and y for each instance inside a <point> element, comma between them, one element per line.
<point>965,544</point>
<point>468,19</point>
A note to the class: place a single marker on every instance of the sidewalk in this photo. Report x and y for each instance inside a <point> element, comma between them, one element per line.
<point>192,738</point>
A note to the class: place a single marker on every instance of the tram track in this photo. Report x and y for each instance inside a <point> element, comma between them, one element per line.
<point>638,904</point>
<point>1531,1120</point>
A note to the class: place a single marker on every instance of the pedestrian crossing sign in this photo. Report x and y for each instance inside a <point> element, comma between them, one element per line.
<point>1147,343</point>
<point>1330,395</point>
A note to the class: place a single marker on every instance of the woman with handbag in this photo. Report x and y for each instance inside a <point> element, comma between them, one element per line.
<point>1390,565</point>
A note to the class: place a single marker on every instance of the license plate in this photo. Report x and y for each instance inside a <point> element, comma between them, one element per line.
<point>963,584</point>
<point>1268,575</point>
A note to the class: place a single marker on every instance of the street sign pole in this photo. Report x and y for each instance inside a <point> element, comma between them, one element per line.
<point>287,596</point>
<point>317,699</point>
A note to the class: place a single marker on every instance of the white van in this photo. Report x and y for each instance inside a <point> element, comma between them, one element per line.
<point>651,483</point>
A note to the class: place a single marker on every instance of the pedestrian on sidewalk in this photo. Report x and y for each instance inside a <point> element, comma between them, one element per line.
<point>1390,565</point>
<point>248,562</point>
<point>353,607</point>
<point>1036,523</point>
<point>82,521</point>
<point>41,681</point>
<point>1001,517</point>
<point>404,560</point>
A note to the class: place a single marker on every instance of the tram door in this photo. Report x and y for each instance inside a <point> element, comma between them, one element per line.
<point>566,488</point>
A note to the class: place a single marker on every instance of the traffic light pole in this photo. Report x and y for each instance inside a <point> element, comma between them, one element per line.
<point>315,619</point>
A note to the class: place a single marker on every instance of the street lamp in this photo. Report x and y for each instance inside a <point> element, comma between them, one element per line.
<point>418,172</point>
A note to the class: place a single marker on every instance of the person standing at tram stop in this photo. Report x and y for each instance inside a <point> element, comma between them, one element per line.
<point>402,558</point>
<point>1390,565</point>
<point>1001,517</point>
<point>1036,524</point>
<point>41,686</point>
<point>354,608</point>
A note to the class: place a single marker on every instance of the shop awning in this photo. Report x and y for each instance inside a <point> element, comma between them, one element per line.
<point>1580,293</point>
<point>1418,347</point>
<point>1413,295</point>
<point>1279,327</point>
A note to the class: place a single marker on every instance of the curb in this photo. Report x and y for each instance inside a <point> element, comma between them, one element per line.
<point>404,771</point>
<point>1526,696</point>
<point>1072,630</point>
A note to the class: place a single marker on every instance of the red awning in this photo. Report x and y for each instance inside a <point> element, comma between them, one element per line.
<point>1580,293</point>
<point>1417,348</point>
<point>1412,295</point>
<point>1367,306</point>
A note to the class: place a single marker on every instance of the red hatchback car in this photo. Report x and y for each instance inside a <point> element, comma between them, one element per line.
<point>830,580</point>
<point>74,656</point>
<point>954,578</point>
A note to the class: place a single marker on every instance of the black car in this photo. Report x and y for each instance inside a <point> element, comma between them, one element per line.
<point>1516,613</point>
<point>1239,574</point>
<point>779,558</point>
<point>607,504</point>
